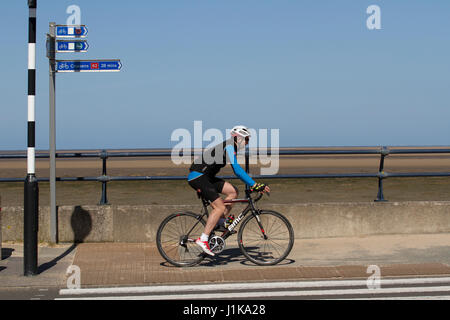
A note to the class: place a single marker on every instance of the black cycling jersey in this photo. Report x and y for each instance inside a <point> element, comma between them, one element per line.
<point>213,159</point>
<point>210,163</point>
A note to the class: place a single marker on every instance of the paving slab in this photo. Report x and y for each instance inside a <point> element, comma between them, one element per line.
<point>53,262</point>
<point>139,264</point>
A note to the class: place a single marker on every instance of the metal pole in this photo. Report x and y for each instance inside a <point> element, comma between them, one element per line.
<point>51,42</point>
<point>31,188</point>
<point>381,175</point>
<point>104,199</point>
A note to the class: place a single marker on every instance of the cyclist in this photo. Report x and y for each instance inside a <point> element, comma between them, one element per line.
<point>202,178</point>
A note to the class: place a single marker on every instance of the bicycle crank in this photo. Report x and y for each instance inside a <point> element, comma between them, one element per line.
<point>217,244</point>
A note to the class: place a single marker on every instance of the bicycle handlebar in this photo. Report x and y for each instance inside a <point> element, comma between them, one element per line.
<point>260,195</point>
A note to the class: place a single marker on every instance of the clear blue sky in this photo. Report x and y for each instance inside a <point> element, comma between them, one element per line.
<point>309,68</point>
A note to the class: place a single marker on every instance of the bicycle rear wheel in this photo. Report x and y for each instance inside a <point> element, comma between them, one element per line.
<point>266,239</point>
<point>176,237</point>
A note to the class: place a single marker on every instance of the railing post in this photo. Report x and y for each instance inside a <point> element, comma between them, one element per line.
<point>104,199</point>
<point>382,175</point>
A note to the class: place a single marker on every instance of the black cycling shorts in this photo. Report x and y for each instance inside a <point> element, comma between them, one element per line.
<point>210,187</point>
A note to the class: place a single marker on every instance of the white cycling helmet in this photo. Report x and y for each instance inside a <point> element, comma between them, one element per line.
<point>240,131</point>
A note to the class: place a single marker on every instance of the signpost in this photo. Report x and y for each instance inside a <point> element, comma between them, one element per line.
<point>51,54</point>
<point>67,66</point>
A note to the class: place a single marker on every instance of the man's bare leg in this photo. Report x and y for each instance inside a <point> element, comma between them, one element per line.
<point>215,215</point>
<point>231,193</point>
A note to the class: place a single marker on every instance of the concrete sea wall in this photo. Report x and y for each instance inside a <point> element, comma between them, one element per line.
<point>314,220</point>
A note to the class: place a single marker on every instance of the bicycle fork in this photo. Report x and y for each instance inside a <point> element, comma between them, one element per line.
<point>258,219</point>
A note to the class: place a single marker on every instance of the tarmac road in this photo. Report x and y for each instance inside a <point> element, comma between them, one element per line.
<point>422,288</point>
<point>29,293</point>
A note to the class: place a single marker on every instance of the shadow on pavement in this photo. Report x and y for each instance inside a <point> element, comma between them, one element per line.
<point>228,256</point>
<point>235,255</point>
<point>285,262</point>
<point>81,223</point>
<point>44,267</point>
<point>6,253</point>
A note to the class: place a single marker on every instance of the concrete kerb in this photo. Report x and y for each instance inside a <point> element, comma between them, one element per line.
<point>139,224</point>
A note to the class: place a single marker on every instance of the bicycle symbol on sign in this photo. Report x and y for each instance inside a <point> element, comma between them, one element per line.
<point>63,66</point>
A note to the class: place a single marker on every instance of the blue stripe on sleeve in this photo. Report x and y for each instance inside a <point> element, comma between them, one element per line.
<point>238,171</point>
<point>194,175</point>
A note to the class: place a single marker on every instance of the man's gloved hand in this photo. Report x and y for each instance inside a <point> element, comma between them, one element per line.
<point>260,187</point>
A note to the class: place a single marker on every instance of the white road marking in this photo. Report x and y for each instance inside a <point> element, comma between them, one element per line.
<point>249,286</point>
<point>341,289</point>
<point>273,294</point>
<point>406,298</point>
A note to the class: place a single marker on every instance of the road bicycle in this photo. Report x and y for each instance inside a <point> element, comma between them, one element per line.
<point>265,237</point>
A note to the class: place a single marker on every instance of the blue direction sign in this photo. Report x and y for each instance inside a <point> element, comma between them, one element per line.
<point>88,65</point>
<point>72,46</point>
<point>71,31</point>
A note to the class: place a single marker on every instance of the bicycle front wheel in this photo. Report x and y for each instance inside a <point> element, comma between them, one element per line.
<point>266,238</point>
<point>176,237</point>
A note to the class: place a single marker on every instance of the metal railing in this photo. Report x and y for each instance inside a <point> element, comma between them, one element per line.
<point>104,155</point>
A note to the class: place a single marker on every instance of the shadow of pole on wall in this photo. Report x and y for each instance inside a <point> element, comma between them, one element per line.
<point>81,223</point>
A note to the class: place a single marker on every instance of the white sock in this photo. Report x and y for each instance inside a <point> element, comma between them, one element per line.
<point>204,237</point>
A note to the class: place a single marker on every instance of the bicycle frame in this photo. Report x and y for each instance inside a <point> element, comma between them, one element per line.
<point>251,207</point>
